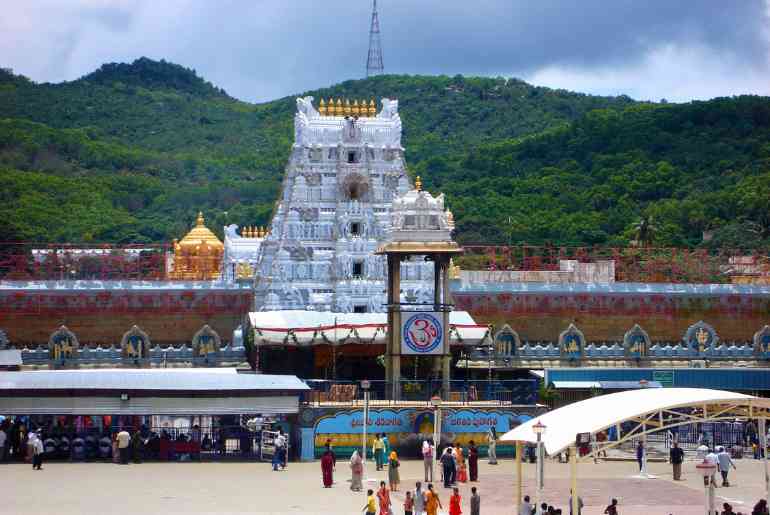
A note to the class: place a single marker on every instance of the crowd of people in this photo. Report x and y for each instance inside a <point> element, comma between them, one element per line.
<point>458,465</point>
<point>20,444</point>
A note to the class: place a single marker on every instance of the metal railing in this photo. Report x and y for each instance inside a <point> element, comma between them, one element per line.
<point>631,264</point>
<point>500,392</point>
<point>155,443</point>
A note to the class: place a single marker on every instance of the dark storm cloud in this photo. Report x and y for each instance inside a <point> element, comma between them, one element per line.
<point>259,50</point>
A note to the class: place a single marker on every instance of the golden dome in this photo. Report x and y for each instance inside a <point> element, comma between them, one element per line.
<point>199,255</point>
<point>201,234</point>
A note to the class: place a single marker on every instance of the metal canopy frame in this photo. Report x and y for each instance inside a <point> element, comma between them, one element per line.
<point>660,420</point>
<point>667,418</point>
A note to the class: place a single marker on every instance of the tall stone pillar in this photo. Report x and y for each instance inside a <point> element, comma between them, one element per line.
<point>393,347</point>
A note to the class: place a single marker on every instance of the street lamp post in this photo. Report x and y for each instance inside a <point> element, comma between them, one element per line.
<point>436,402</point>
<point>539,429</point>
<point>365,385</point>
<point>707,470</point>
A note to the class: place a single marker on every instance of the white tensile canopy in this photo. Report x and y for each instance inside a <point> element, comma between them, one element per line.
<point>649,407</point>
<point>650,410</point>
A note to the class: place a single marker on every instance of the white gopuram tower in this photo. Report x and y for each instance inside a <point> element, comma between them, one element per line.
<point>345,169</point>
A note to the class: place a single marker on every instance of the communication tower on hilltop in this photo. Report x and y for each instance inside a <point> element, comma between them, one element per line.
<point>374,64</point>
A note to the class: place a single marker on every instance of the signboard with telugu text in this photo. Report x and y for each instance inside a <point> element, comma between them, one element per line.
<point>422,333</point>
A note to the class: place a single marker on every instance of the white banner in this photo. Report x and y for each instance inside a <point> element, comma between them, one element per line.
<point>422,333</point>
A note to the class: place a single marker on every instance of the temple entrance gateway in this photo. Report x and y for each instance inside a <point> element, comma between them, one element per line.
<point>420,227</point>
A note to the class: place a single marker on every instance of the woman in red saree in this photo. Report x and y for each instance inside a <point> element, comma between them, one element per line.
<point>327,468</point>
<point>383,496</point>
<point>454,502</point>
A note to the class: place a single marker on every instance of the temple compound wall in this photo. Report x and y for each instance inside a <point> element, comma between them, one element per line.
<point>539,312</point>
<point>170,313</point>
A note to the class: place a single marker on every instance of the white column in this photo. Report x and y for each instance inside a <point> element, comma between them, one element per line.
<point>763,443</point>
<point>365,423</point>
<point>573,480</point>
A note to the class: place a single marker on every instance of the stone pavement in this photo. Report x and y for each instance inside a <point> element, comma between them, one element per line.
<point>198,488</point>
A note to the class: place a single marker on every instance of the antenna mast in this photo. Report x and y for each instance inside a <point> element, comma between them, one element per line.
<point>374,64</point>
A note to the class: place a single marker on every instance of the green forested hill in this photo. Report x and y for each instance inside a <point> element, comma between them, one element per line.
<point>130,152</point>
<point>683,170</point>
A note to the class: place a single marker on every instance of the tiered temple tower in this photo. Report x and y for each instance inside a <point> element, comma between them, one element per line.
<point>346,167</point>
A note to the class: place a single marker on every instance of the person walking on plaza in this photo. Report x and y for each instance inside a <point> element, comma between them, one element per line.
<point>640,454</point>
<point>378,449</point>
<point>432,502</point>
<point>475,502</point>
<point>115,449</point>
<point>760,508</point>
<point>408,504</point>
<point>383,496</point>
<point>124,440</point>
<point>370,508</point>
<point>419,499</point>
<point>279,452</point>
<point>526,507</point>
<point>724,465</point>
<point>447,466</point>
<point>462,471</point>
<point>676,455</point>
<point>454,502</point>
<point>713,459</point>
<point>394,478</point>
<point>37,451</point>
<point>327,468</point>
<point>473,461</point>
<point>612,509</point>
<point>356,472</point>
<point>427,460</point>
<point>492,449</point>
<point>579,503</point>
<point>3,439</point>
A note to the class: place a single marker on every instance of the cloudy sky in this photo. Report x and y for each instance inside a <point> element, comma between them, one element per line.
<point>258,50</point>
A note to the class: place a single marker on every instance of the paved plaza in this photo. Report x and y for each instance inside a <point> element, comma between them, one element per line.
<point>196,488</point>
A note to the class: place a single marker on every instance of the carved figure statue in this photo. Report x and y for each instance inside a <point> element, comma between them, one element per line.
<point>702,336</point>
<point>389,108</point>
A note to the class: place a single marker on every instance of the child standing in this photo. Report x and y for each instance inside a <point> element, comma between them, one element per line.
<point>408,503</point>
<point>371,506</point>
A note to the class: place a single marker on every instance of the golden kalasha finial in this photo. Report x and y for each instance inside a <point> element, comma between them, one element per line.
<point>260,232</point>
<point>355,111</point>
<point>322,107</point>
<point>346,112</point>
<point>245,231</point>
<point>199,221</point>
<point>418,184</point>
<point>372,108</point>
<point>338,110</point>
<point>251,231</point>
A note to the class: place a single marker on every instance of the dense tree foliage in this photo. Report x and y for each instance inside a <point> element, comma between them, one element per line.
<point>130,152</point>
<point>656,174</point>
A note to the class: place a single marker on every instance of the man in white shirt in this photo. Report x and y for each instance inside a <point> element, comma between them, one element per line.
<point>724,465</point>
<point>280,447</point>
<point>124,439</point>
<point>712,458</point>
